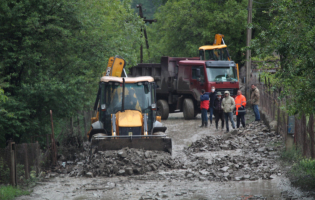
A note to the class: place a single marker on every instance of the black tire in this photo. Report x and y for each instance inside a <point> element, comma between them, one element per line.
<point>163,109</point>
<point>188,109</point>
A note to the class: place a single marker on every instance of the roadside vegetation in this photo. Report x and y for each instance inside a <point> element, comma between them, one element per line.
<point>302,170</point>
<point>10,192</point>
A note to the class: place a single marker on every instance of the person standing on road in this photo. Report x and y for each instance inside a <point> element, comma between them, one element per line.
<point>218,111</point>
<point>254,97</point>
<point>240,103</point>
<point>212,96</point>
<point>204,106</point>
<point>228,105</point>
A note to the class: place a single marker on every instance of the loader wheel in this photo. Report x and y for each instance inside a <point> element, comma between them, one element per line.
<point>188,109</point>
<point>163,109</point>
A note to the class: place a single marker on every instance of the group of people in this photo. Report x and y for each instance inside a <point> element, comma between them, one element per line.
<point>223,108</point>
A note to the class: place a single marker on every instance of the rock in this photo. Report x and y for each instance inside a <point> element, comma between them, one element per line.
<point>189,175</point>
<point>226,174</point>
<point>89,174</point>
<point>129,171</point>
<point>246,176</point>
<point>122,154</point>
<point>145,198</point>
<point>225,147</point>
<point>224,169</point>
<point>47,176</point>
<point>164,196</point>
<point>79,163</point>
<point>62,158</point>
<point>147,154</point>
<point>70,162</point>
<point>121,172</point>
<point>234,132</point>
<point>137,170</point>
<point>72,174</point>
<point>237,178</point>
<point>261,149</point>
<point>153,167</point>
<point>201,178</point>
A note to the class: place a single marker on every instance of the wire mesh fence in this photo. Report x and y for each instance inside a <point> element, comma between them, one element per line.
<point>271,104</point>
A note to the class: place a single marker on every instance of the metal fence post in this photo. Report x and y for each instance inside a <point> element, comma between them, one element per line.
<point>12,163</point>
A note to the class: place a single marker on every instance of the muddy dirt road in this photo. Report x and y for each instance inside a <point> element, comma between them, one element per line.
<point>189,182</point>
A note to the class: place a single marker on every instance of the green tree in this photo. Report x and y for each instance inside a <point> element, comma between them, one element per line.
<point>184,25</point>
<point>291,34</point>
<point>52,54</point>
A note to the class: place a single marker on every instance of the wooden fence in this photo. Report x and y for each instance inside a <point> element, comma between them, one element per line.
<point>302,126</point>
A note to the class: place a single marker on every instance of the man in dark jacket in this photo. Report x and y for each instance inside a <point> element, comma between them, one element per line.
<point>204,106</point>
<point>212,96</point>
<point>218,111</point>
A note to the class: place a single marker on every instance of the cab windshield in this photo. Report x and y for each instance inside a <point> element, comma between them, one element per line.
<point>221,74</point>
<point>137,97</point>
<point>214,54</point>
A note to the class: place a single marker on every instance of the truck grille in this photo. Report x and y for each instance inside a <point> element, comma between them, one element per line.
<point>233,91</point>
<point>131,130</point>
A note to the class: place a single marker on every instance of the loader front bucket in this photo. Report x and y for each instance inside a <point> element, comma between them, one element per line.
<point>147,143</point>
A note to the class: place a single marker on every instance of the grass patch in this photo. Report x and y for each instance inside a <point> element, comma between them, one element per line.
<point>302,173</point>
<point>9,192</point>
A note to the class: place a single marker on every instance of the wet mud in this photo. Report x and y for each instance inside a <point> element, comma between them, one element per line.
<point>207,164</point>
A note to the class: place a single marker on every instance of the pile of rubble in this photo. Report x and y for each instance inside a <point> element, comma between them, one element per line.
<point>123,162</point>
<point>245,154</point>
<point>249,155</point>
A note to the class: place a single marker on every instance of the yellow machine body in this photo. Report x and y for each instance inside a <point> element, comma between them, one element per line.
<point>115,66</point>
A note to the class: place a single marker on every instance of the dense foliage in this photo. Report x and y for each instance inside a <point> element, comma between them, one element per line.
<point>291,35</point>
<point>185,25</point>
<point>52,54</point>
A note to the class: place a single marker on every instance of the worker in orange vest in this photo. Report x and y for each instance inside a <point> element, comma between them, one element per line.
<point>240,103</point>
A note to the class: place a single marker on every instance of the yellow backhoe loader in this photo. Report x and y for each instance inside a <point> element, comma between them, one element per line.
<point>126,113</point>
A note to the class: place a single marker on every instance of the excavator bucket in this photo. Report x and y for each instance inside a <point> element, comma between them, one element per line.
<point>150,142</point>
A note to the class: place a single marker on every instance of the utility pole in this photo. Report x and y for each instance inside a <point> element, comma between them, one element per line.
<point>248,52</point>
<point>144,31</point>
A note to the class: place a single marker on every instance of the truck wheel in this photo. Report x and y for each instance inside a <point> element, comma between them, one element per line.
<point>163,109</point>
<point>188,109</point>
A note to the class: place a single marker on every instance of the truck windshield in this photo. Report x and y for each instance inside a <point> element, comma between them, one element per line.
<point>137,97</point>
<point>221,74</point>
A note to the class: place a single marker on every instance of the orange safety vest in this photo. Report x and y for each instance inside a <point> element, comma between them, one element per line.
<point>240,100</point>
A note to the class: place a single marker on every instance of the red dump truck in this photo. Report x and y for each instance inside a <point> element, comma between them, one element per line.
<point>180,81</point>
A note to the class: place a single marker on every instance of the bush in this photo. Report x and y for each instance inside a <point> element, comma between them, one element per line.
<point>9,192</point>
